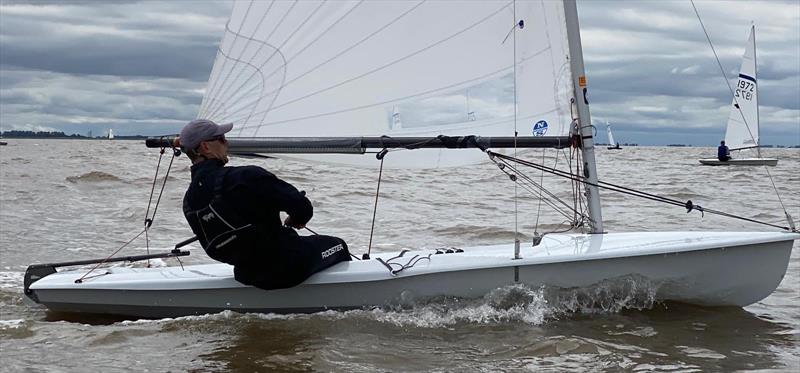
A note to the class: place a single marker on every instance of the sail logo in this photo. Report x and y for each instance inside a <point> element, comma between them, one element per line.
<point>540,128</point>
<point>207,217</point>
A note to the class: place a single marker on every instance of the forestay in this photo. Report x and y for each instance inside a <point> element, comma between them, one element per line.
<point>355,68</point>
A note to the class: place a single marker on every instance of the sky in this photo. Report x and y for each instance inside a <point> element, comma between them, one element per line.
<point>141,67</point>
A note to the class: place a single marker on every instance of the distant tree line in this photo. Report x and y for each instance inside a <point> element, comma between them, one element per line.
<point>56,135</point>
<point>37,134</point>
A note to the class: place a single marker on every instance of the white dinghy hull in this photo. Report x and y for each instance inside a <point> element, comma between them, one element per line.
<point>740,162</point>
<point>712,269</point>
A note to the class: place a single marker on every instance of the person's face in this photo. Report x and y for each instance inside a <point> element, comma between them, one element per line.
<point>216,148</point>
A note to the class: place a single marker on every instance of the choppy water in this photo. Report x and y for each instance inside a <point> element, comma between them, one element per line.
<point>71,200</point>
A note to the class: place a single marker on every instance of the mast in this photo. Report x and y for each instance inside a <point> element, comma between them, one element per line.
<point>755,75</point>
<point>584,120</point>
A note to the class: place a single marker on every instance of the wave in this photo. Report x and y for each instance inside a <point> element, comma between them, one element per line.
<point>11,280</point>
<point>475,232</point>
<point>509,304</point>
<point>12,324</point>
<point>92,177</point>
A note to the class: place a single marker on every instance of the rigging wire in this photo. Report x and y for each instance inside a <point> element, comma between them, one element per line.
<point>633,192</point>
<point>730,89</point>
<point>540,188</point>
<point>148,220</point>
<point>380,156</point>
<point>109,257</point>
<point>539,205</point>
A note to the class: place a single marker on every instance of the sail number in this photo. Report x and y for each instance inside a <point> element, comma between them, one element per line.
<point>745,89</point>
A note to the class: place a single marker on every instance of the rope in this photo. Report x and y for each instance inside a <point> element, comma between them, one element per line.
<point>411,262</point>
<point>109,257</point>
<point>147,223</point>
<point>380,156</point>
<point>539,205</point>
<point>148,219</point>
<point>540,188</point>
<point>629,191</point>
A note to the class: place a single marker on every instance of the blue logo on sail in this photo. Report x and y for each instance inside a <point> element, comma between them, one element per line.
<point>540,128</point>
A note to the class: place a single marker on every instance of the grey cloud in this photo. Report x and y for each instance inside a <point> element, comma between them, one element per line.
<point>109,38</point>
<point>104,56</point>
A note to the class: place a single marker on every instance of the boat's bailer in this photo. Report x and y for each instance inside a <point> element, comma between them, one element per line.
<point>721,269</point>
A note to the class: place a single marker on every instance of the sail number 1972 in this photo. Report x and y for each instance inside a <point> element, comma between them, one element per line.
<point>745,89</point>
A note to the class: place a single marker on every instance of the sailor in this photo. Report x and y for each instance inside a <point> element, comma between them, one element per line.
<point>235,213</point>
<point>723,154</point>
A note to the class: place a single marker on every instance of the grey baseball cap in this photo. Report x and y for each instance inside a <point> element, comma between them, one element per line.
<point>200,130</point>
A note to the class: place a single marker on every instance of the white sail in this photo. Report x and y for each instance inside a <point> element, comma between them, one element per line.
<point>342,68</point>
<point>611,141</point>
<point>110,134</point>
<point>742,131</point>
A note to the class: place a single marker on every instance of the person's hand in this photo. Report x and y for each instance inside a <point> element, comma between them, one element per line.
<point>289,223</point>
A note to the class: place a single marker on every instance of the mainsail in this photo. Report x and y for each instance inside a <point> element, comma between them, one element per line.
<point>611,141</point>
<point>742,131</point>
<point>347,68</point>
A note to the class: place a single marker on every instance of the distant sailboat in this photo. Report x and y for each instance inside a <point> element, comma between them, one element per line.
<point>743,127</point>
<point>110,134</point>
<point>611,143</point>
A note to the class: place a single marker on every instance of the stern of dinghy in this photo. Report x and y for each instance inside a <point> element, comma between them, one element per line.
<point>36,272</point>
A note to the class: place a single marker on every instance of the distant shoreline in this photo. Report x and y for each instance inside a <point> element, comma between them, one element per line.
<point>63,136</point>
